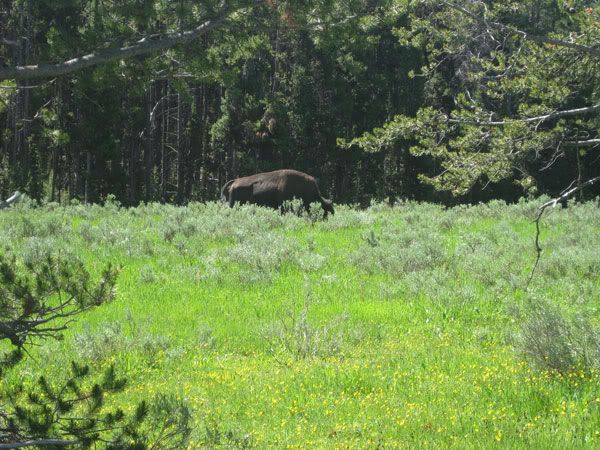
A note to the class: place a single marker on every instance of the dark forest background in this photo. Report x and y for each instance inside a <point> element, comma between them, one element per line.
<point>290,85</point>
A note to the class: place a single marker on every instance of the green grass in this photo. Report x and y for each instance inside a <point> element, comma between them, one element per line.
<point>389,328</point>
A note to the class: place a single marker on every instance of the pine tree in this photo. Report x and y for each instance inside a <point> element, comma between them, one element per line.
<point>38,302</point>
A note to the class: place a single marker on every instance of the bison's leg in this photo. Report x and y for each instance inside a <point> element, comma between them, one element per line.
<point>241,195</point>
<point>306,206</point>
<point>232,197</point>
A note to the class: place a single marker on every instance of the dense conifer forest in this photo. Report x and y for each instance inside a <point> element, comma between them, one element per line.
<point>154,100</point>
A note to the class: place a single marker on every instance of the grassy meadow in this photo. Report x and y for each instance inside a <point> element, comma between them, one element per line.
<point>401,327</point>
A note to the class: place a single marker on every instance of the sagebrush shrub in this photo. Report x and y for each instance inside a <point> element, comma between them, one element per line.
<point>297,337</point>
<point>551,341</point>
<point>259,256</point>
<point>147,275</point>
<point>399,251</point>
<point>111,339</point>
<point>100,344</point>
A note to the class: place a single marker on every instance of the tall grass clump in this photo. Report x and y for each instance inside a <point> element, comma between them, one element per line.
<point>296,336</point>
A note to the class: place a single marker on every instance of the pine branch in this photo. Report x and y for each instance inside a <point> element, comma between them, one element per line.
<point>30,314</point>
<point>593,51</point>
<point>141,47</point>
<point>39,443</point>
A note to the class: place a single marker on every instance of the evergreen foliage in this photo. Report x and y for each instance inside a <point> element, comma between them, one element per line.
<point>511,93</point>
<point>38,302</point>
<point>274,86</point>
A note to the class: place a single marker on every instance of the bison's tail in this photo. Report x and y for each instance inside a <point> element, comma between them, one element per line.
<point>225,191</point>
<point>325,203</point>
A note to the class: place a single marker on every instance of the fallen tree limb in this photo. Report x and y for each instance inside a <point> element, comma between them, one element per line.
<point>10,200</point>
<point>563,197</point>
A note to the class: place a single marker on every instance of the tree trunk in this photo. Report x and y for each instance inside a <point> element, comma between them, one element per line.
<point>149,146</point>
<point>163,158</point>
<point>54,175</point>
<point>180,152</point>
<point>21,111</point>
<point>88,171</point>
<point>133,154</point>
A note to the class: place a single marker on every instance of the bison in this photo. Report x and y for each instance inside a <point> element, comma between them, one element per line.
<point>273,188</point>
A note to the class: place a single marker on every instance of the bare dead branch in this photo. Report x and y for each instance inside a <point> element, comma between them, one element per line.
<point>9,42</point>
<point>153,112</point>
<point>536,119</point>
<point>18,88</point>
<point>586,143</point>
<point>10,200</point>
<point>564,196</point>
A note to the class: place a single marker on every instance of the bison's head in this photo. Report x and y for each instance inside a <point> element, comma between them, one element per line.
<point>328,207</point>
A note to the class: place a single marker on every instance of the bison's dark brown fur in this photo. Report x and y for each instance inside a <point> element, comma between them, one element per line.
<point>273,188</point>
